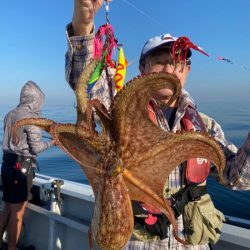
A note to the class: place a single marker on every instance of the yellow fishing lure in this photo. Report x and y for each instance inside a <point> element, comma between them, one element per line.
<point>120,74</point>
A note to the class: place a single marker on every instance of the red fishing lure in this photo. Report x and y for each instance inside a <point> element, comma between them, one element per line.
<point>180,49</point>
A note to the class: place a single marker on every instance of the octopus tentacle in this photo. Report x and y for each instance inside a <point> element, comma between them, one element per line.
<point>80,150</point>
<point>140,191</point>
<point>168,154</point>
<point>104,116</point>
<point>81,90</point>
<point>112,223</point>
<point>130,111</point>
<point>79,133</point>
<point>177,148</point>
<point>163,158</point>
<point>43,123</point>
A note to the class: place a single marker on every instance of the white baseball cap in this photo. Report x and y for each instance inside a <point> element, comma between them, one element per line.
<point>156,42</point>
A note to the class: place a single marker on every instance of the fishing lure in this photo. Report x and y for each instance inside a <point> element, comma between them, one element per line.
<point>108,46</point>
<point>181,47</point>
<point>225,59</point>
<point>96,73</point>
<point>103,50</point>
<point>120,74</point>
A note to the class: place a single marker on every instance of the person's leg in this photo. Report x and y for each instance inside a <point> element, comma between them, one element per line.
<point>15,223</point>
<point>4,217</point>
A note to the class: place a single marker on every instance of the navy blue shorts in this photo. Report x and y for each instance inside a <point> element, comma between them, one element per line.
<point>16,185</point>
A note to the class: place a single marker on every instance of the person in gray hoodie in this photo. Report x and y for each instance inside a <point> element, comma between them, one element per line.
<point>19,161</point>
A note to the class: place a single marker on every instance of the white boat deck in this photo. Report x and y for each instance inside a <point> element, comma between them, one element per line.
<point>51,226</point>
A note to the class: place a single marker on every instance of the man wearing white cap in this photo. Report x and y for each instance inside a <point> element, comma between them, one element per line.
<point>157,56</point>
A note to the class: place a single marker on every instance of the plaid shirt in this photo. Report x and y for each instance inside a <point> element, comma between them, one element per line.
<point>237,171</point>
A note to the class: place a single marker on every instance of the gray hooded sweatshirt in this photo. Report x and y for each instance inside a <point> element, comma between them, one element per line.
<point>29,137</point>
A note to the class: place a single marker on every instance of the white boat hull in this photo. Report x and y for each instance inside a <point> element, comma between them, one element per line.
<point>54,225</point>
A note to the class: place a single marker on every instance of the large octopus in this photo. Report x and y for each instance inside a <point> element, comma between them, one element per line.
<point>131,158</point>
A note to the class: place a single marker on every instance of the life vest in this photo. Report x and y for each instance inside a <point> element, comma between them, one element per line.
<point>197,169</point>
<point>152,225</point>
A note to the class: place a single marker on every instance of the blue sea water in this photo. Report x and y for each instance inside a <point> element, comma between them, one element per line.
<point>233,117</point>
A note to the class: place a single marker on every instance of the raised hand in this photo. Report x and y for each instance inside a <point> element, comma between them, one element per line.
<point>84,13</point>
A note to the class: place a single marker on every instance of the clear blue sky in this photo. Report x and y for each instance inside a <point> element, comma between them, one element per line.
<point>33,43</point>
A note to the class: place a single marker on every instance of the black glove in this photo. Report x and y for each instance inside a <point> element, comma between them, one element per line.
<point>160,228</point>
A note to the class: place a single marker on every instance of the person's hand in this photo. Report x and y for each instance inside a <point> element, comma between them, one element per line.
<point>84,13</point>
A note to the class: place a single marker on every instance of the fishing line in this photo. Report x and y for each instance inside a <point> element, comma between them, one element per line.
<point>229,61</point>
<point>133,61</point>
<point>220,58</point>
<point>143,13</point>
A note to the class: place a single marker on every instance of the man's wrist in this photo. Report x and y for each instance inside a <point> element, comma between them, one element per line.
<point>82,30</point>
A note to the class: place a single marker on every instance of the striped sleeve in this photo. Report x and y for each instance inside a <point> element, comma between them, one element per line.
<point>79,53</point>
<point>237,170</point>
<point>238,167</point>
